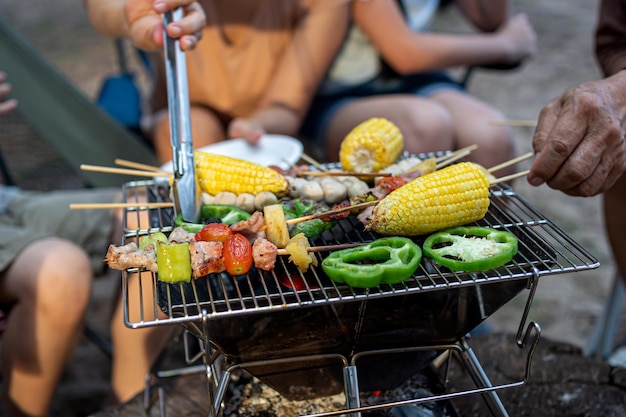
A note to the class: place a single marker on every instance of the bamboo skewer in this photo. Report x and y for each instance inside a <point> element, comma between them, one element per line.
<point>313,162</point>
<point>81,206</point>
<point>441,162</point>
<point>510,162</point>
<point>137,165</point>
<point>342,174</point>
<point>327,213</point>
<point>374,202</point>
<point>450,160</point>
<point>327,248</point>
<point>463,151</point>
<point>332,212</point>
<point>509,177</point>
<point>123,171</point>
<point>514,123</point>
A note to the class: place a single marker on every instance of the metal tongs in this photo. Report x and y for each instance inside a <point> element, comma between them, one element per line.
<point>184,184</point>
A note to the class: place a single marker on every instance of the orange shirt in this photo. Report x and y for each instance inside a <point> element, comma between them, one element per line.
<point>279,54</point>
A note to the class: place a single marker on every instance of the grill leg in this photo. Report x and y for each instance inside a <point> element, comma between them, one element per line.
<point>473,367</point>
<point>351,383</point>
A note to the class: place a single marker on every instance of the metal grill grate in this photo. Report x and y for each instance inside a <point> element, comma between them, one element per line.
<point>543,250</point>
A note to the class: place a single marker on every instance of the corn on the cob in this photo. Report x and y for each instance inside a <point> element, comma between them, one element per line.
<point>371,146</point>
<point>217,173</point>
<point>452,196</point>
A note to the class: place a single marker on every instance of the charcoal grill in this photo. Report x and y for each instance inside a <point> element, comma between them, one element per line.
<point>306,336</point>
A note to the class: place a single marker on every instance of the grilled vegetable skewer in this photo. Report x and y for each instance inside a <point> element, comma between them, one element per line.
<point>453,196</point>
<point>449,197</point>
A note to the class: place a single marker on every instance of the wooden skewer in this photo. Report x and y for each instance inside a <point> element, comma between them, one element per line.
<point>514,122</point>
<point>325,248</point>
<point>456,157</point>
<point>332,212</point>
<point>509,177</point>
<point>110,170</point>
<point>137,165</point>
<point>327,213</point>
<point>81,206</point>
<point>510,162</point>
<point>313,162</point>
<point>469,148</point>
<point>341,174</point>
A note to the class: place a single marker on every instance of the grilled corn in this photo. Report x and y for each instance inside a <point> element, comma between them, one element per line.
<point>217,173</point>
<point>452,196</point>
<point>371,146</point>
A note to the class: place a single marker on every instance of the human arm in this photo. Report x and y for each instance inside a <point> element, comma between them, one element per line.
<point>579,139</point>
<point>301,67</point>
<point>141,22</point>
<point>6,104</point>
<point>408,51</point>
<point>272,118</point>
<point>486,15</point>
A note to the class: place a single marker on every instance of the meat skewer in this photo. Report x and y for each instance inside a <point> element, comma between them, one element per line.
<point>206,256</point>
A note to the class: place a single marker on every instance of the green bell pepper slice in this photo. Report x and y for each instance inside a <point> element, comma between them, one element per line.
<point>299,208</point>
<point>389,260</point>
<point>173,262</point>
<point>152,238</point>
<point>471,249</point>
<point>226,213</point>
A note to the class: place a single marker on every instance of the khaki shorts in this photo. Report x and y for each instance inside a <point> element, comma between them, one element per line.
<point>33,215</point>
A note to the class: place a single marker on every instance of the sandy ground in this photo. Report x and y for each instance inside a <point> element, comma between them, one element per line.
<point>566,306</point>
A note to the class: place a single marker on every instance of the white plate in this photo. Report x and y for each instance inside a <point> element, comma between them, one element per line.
<point>279,150</point>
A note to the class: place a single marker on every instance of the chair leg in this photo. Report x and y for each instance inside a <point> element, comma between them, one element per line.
<point>8,179</point>
<point>102,342</point>
<point>601,341</point>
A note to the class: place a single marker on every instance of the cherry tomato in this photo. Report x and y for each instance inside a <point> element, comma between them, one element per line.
<point>214,232</point>
<point>237,254</point>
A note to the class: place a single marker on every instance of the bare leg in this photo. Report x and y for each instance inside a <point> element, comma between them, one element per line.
<point>135,350</point>
<point>50,284</point>
<point>426,125</point>
<point>471,127</point>
<point>615,222</point>
<point>206,129</point>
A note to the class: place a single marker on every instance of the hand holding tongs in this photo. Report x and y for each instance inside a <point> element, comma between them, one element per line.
<point>184,185</point>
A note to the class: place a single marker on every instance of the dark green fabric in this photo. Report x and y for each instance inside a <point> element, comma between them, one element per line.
<point>80,131</point>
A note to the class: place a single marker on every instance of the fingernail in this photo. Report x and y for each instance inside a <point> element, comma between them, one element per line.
<point>174,30</point>
<point>535,181</point>
<point>159,7</point>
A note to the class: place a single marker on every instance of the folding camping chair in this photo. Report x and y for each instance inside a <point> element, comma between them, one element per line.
<point>120,95</point>
<point>59,129</point>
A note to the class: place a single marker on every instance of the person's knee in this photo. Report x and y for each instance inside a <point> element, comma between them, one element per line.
<point>63,285</point>
<point>427,130</point>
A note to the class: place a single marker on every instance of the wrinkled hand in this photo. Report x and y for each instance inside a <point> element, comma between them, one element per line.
<point>579,140</point>
<point>146,23</point>
<point>520,38</point>
<point>6,105</point>
<point>246,129</point>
